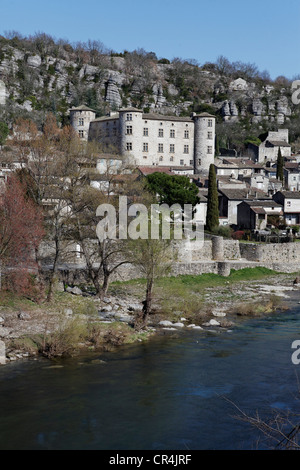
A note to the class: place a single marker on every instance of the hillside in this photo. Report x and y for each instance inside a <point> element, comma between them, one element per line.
<point>40,75</point>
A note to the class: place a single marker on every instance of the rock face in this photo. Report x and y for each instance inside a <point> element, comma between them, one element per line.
<point>34,61</point>
<point>2,93</point>
<point>238,85</point>
<point>112,95</point>
<point>176,89</point>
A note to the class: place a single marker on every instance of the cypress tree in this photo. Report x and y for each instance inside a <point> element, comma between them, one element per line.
<point>279,170</point>
<point>212,217</point>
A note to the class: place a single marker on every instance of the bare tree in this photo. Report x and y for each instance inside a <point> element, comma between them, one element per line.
<point>281,431</point>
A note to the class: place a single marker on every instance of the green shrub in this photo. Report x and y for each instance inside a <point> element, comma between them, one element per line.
<point>66,339</point>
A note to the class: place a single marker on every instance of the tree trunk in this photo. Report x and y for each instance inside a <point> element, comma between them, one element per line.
<point>148,301</point>
<point>105,284</point>
<point>53,271</point>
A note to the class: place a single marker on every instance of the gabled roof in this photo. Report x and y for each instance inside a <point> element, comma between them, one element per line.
<point>147,170</point>
<point>290,194</point>
<point>267,203</point>
<point>243,193</point>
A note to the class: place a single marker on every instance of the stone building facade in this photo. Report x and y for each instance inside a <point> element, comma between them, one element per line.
<point>267,151</point>
<point>152,139</point>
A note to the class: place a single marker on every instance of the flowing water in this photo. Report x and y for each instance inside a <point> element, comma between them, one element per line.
<point>173,392</point>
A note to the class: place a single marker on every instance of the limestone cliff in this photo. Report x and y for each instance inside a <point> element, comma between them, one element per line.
<point>43,82</point>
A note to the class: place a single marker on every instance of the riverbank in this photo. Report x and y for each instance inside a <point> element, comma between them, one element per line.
<point>76,321</point>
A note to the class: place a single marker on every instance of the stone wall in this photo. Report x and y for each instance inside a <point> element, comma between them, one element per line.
<point>198,258</point>
<point>271,252</point>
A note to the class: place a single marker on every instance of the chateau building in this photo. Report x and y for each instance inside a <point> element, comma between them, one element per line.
<point>151,139</point>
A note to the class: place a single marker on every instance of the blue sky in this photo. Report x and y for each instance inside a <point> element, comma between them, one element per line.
<point>264,32</point>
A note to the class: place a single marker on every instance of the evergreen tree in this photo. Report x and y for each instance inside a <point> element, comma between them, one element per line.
<point>173,189</point>
<point>280,163</point>
<point>212,217</point>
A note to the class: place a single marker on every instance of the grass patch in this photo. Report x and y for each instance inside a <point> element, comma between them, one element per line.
<point>185,294</point>
<point>257,308</point>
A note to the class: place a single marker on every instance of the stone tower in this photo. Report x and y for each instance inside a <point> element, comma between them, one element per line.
<point>204,141</point>
<point>80,118</point>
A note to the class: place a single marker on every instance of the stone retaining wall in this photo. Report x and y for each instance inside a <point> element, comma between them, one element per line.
<point>216,256</point>
<point>271,252</point>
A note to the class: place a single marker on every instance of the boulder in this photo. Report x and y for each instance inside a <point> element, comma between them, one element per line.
<point>74,290</point>
<point>165,323</point>
<point>4,332</point>
<point>124,317</point>
<point>212,323</point>
<point>106,308</point>
<point>219,313</point>
<point>24,316</point>
<point>135,307</point>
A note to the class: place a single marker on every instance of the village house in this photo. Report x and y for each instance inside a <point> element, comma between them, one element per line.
<point>291,175</point>
<point>253,215</point>
<point>268,149</point>
<point>290,201</point>
<point>231,198</point>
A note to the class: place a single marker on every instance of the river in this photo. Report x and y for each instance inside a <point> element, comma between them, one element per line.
<point>171,392</point>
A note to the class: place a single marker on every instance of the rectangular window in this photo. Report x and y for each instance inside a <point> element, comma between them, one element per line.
<point>172,133</point>
<point>209,149</point>
<point>129,130</point>
<point>181,162</point>
<point>161,159</point>
<point>160,132</point>
<point>186,134</point>
<point>172,148</point>
<point>129,117</point>
<point>209,123</point>
<point>81,122</point>
<point>81,134</point>
<point>186,149</point>
<point>114,131</point>
<point>145,131</point>
<point>160,148</point>
<point>191,162</point>
<point>129,146</point>
<point>171,159</point>
<point>209,135</point>
<point>145,147</point>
